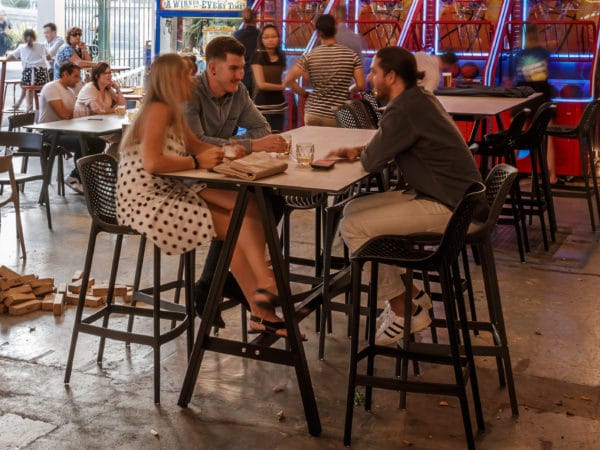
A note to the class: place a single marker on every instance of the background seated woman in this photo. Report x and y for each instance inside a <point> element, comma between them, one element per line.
<point>101,95</point>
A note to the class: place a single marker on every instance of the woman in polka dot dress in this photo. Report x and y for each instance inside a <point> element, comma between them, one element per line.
<point>180,217</point>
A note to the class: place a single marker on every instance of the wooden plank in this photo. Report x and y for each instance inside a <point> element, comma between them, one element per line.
<point>45,289</point>
<point>92,301</point>
<point>47,304</point>
<point>59,305</point>
<point>71,299</point>
<point>75,287</point>
<point>14,299</point>
<point>42,282</point>
<point>5,272</point>
<point>102,290</point>
<point>24,308</point>
<point>77,275</point>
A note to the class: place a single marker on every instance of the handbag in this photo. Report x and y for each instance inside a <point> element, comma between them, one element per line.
<point>252,167</point>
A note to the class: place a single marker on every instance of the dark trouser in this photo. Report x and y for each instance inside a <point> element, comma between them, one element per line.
<point>71,143</point>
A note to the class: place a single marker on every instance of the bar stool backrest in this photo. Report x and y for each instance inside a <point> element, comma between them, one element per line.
<point>373,106</point>
<point>345,117</point>
<point>535,134</point>
<point>498,184</point>
<point>362,115</point>
<point>99,178</point>
<point>589,118</point>
<point>399,250</point>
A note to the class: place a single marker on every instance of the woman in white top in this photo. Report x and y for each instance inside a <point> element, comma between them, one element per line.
<point>101,95</point>
<point>33,57</point>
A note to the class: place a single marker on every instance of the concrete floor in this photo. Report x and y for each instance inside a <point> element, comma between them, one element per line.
<point>551,311</point>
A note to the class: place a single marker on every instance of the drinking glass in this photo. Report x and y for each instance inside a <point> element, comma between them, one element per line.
<point>305,153</point>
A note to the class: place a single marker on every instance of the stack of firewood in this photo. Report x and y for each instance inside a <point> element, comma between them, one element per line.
<point>22,294</point>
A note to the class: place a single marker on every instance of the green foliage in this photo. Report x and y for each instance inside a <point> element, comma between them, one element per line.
<point>14,35</point>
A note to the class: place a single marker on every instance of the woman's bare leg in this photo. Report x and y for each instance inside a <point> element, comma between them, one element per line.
<point>248,262</point>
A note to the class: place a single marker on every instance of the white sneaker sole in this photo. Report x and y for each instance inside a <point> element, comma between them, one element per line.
<point>395,331</point>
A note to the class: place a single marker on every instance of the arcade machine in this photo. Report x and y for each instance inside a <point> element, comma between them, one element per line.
<point>469,29</point>
<point>188,26</point>
<point>569,31</point>
<point>383,23</point>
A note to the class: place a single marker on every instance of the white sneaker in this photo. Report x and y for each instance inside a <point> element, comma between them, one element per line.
<point>391,328</point>
<point>421,299</point>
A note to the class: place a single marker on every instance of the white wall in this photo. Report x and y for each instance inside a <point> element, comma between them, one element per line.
<point>52,11</point>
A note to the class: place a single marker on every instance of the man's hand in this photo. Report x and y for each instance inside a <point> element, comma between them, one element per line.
<point>210,157</point>
<point>350,153</point>
<point>234,151</point>
<point>271,143</point>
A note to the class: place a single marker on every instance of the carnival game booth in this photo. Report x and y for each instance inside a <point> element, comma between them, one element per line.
<point>471,30</point>
<point>568,30</point>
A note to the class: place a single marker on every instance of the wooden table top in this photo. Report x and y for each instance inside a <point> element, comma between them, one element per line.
<point>93,125</point>
<point>325,139</point>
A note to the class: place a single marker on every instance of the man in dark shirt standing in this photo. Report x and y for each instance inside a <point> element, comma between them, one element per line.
<point>248,36</point>
<point>433,157</point>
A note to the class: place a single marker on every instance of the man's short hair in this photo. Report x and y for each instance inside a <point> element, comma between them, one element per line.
<point>69,67</point>
<point>449,58</point>
<point>218,48</point>
<point>326,25</point>
<point>400,61</point>
<point>50,25</point>
<point>248,16</point>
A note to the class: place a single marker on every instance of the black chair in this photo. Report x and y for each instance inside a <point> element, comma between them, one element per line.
<point>502,146</point>
<point>498,183</point>
<point>272,110</point>
<point>538,202</point>
<point>30,144</point>
<point>99,178</point>
<point>353,114</point>
<point>401,251</point>
<point>7,177</point>
<point>585,132</point>
<point>370,102</point>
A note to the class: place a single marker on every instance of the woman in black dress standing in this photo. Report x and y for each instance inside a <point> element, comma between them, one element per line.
<point>268,64</point>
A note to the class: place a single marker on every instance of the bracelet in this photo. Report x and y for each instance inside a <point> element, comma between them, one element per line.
<point>196,165</point>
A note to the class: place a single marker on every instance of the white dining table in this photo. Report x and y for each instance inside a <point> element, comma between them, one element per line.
<point>333,181</point>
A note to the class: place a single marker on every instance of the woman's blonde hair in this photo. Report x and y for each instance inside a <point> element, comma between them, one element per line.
<point>167,78</point>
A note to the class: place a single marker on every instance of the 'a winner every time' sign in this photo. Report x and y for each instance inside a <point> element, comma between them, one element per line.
<point>200,5</point>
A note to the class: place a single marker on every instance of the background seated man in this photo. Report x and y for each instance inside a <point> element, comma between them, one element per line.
<point>57,102</point>
<point>220,104</point>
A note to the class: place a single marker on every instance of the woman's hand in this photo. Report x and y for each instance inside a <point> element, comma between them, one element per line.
<point>210,157</point>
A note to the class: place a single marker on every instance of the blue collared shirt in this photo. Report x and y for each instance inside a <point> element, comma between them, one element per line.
<point>216,120</point>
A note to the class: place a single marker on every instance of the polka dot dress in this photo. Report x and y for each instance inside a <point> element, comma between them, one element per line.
<point>163,209</point>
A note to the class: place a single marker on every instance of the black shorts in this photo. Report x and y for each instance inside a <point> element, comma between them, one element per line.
<point>34,76</point>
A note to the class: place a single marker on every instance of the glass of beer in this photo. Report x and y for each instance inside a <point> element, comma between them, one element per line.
<point>120,110</point>
<point>447,76</point>
<point>305,153</point>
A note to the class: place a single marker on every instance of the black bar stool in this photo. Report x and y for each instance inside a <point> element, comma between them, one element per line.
<point>401,251</point>
<point>585,133</point>
<point>99,178</point>
<point>538,202</point>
